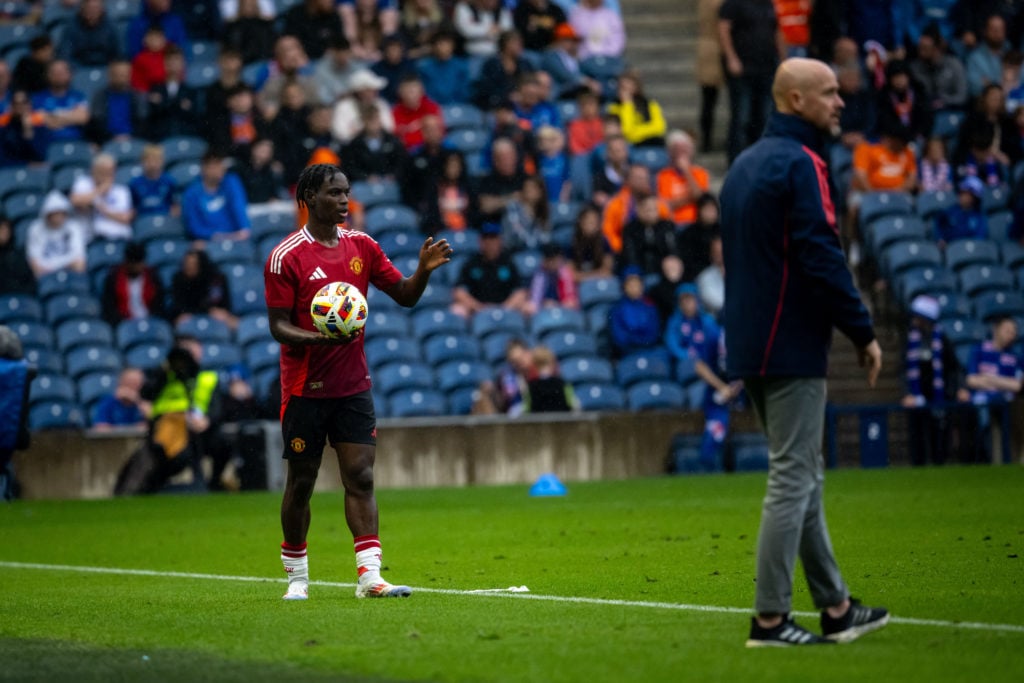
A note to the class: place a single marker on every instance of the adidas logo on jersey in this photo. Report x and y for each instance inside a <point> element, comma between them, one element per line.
<point>318,274</point>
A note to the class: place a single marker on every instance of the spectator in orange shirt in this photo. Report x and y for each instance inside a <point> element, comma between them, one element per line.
<point>681,182</point>
<point>794,25</point>
<point>886,166</point>
<point>621,208</point>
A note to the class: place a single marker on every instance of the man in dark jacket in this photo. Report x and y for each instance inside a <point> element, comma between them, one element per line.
<point>787,286</point>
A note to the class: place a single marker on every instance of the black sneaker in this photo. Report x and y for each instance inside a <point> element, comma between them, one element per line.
<point>784,635</point>
<point>857,621</point>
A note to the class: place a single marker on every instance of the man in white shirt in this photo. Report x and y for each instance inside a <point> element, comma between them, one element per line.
<point>103,205</point>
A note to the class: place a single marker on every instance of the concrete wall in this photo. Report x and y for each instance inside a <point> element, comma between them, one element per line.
<point>419,452</point>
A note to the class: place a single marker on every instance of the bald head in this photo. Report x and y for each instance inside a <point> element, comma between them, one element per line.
<point>808,88</point>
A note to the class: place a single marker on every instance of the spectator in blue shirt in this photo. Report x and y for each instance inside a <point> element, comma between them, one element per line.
<point>635,324</point>
<point>214,204</point>
<point>117,111</point>
<point>553,163</point>
<point>965,219</point>
<point>121,408</point>
<point>156,12</point>
<point>445,76</point>
<point>531,108</point>
<point>154,192</point>
<point>687,329</point>
<point>995,376</point>
<point>719,396</point>
<point>65,110</point>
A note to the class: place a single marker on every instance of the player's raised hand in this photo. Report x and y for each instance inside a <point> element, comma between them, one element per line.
<point>433,254</point>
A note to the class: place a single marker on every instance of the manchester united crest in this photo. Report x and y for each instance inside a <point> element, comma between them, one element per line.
<point>298,445</point>
<point>356,264</point>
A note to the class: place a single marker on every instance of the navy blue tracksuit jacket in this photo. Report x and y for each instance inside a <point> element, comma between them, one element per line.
<point>786,280</point>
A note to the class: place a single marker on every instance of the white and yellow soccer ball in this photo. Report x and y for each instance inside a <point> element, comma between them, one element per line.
<point>339,310</point>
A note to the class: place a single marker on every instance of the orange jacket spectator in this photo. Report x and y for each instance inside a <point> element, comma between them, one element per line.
<point>673,187</point>
<point>885,165</point>
<point>621,208</point>
<point>794,21</point>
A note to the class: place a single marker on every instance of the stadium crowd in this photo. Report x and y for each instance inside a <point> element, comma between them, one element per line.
<point>149,150</point>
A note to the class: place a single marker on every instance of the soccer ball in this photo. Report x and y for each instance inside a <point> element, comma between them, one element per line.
<point>338,310</point>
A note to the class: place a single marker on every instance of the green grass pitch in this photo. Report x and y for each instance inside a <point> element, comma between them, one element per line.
<point>936,546</point>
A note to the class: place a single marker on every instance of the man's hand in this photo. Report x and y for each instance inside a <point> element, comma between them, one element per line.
<point>870,357</point>
<point>433,254</point>
<point>324,340</point>
<point>734,66</point>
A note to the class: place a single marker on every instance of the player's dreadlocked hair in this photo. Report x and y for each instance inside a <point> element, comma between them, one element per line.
<point>311,178</point>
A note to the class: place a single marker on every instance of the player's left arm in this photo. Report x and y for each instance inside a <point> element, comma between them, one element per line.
<point>407,291</point>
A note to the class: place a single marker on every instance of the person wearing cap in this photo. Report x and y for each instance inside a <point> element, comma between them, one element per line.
<point>553,285</point>
<point>561,60</point>
<point>56,240</point>
<point>964,220</point>
<point>687,329</point>
<point>132,290</point>
<point>633,321</point>
<point>929,374</point>
<point>346,121</point>
<point>538,21</point>
<point>489,278</point>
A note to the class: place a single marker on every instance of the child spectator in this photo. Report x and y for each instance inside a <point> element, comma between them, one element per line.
<point>445,76</point>
<point>719,395</point>
<point>55,240</point>
<point>546,391</point>
<point>132,290</point>
<point>936,173</point>
<point>553,163</point>
<point>105,206</point>
<point>148,66</point>
<point>682,181</point>
<point>154,192</point>
<point>450,202</point>
<point>214,204</point>
<point>965,219</point>
<point>590,255</point>
<point>634,321</point>
<point>620,208</point>
<point>374,154</point>
<point>121,407</point>
<point>393,66</point>
<point>586,131</point>
<point>648,238</point>
<point>553,284</point>
<point>663,292</point>
<point>526,223</point>
<point>261,175</point>
<point>506,393</point>
<point>688,327</point>
<point>413,105</point>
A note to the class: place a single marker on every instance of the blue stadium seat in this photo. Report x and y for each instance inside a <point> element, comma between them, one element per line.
<point>85,359</point>
<point>183,148</point>
<point>14,307</point>
<point>931,203</point>
<point>566,344</point>
<point>684,455</point>
<point>183,173</point>
<point>61,282</point>
<point>102,254</point>
<point>604,290</point>
<point>495,344</point>
<point>971,252</point>
<point>457,116</point>
<point>272,223</point>
<point>996,304</point>
<point>16,34</point>
<point>35,335</point>
<point>146,356</point>
<point>125,151</point>
<point>418,403</point>
<point>461,241</point>
<point>582,177</point>
<point>398,245</point>
<point>582,370</point>
<point>71,153</point>
<point>654,158</point>
<point>902,256</point>
<point>891,229</point>
<point>840,159</point>
<point>126,174</point>
<point>94,386</point>
<point>927,280</point>
<point>568,110</point>
<point>154,227</point>
<point>442,348</point>
<point>527,262</point>
<point>461,400</point>
<point>51,388</point>
<point>22,205</point>
<point>252,327</point>
<point>223,252</point>
<point>656,395</point>
<point>600,396</point>
<point>750,452</point>
<point>166,252</point>
<point>947,124</point>
<point>984,277</point>
<point>469,141</point>
<point>75,333</point>
<point>220,355</point>
<point>995,198</point>
<point>436,321</point>
<point>65,177</point>
<point>999,224</point>
<point>964,330</point>
<point>393,377</point>
<point>55,415</point>
<point>130,333</point>
<point>564,213</point>
<point>952,305</point>
<point>491,320</point>
<point>387,323</point>
<point>45,361</point>
<point>598,318</point>
<point>642,366</point>
<point>379,301</point>
<point>685,371</point>
<point>1011,255</point>
<point>89,80</point>
<point>695,394</point>
<point>391,218</point>
<point>204,328</point>
<point>63,307</point>
<point>376,193</point>
<point>556,318</point>
<point>458,374</point>
<point>601,67</point>
<point>384,349</point>
<point>874,205</point>
<point>15,180</point>
<point>436,296</point>
<point>262,355</point>
<point>201,74</point>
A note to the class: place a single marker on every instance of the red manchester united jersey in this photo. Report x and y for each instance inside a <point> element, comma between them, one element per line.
<point>296,270</point>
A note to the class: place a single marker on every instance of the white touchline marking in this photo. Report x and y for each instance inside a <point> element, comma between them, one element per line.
<point>516,594</point>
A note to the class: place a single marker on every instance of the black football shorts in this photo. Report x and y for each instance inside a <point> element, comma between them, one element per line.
<point>309,423</point>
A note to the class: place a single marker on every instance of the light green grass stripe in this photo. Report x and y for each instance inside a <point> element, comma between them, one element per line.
<point>497,592</point>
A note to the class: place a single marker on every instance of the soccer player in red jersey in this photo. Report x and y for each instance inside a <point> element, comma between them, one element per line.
<point>325,382</point>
